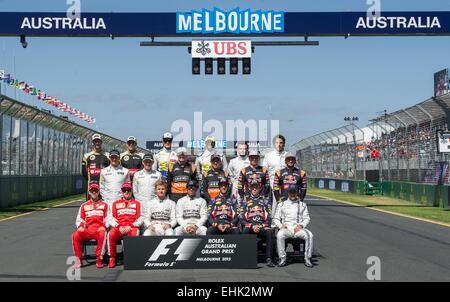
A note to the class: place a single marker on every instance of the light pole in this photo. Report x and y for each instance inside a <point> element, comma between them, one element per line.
<point>351,121</point>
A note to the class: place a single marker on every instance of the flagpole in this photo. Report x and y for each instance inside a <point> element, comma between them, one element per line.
<point>15,75</point>
<point>3,57</point>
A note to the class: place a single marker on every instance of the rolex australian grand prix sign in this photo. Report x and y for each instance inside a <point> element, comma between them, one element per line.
<point>186,252</point>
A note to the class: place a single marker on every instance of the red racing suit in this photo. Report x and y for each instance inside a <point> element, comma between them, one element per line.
<point>123,213</point>
<point>91,216</point>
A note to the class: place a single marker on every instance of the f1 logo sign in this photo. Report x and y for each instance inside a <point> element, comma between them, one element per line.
<point>184,250</point>
<point>221,49</point>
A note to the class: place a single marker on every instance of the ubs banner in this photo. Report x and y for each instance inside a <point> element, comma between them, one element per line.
<point>187,252</point>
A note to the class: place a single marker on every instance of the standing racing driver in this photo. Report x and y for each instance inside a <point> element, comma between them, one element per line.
<point>165,156</point>
<point>131,159</point>
<point>203,161</point>
<point>93,162</point>
<point>144,181</point>
<point>236,165</point>
<point>180,173</point>
<point>274,161</point>
<point>112,178</point>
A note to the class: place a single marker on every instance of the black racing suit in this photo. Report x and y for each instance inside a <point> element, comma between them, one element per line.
<point>91,166</point>
<point>178,176</point>
<point>286,177</point>
<point>222,211</point>
<point>251,174</point>
<point>210,184</point>
<point>257,211</point>
<point>131,161</point>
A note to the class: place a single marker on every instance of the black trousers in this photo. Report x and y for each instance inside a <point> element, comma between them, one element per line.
<point>215,231</point>
<point>266,235</point>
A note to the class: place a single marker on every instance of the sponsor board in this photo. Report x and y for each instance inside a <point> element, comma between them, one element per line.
<point>321,184</point>
<point>254,144</point>
<point>154,146</point>
<point>441,83</point>
<point>188,252</point>
<point>345,187</point>
<point>332,185</point>
<point>79,184</point>
<point>221,49</point>
<point>443,140</point>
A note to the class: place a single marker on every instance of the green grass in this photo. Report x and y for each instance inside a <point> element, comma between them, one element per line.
<point>388,204</point>
<point>37,206</point>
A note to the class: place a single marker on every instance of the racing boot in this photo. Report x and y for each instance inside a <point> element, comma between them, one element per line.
<point>282,262</point>
<point>99,263</point>
<point>112,262</point>
<point>270,263</point>
<point>308,263</point>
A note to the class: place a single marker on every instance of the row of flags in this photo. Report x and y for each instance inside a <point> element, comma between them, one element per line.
<point>41,95</point>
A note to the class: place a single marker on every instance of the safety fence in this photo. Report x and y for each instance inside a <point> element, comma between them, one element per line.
<point>41,153</point>
<point>424,194</point>
<point>399,146</point>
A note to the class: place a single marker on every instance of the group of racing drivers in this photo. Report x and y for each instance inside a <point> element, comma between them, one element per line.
<point>158,194</point>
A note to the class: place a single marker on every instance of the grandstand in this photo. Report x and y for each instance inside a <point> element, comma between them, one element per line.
<point>399,146</point>
<point>41,153</point>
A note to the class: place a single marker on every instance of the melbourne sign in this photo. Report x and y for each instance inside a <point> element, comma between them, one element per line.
<point>201,144</point>
<point>188,252</point>
<point>234,22</point>
<point>221,49</point>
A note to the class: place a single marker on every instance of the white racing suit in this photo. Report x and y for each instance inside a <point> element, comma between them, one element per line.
<point>144,185</point>
<point>162,161</point>
<point>274,161</point>
<point>291,214</point>
<point>159,213</point>
<point>234,170</point>
<point>191,211</point>
<point>111,180</point>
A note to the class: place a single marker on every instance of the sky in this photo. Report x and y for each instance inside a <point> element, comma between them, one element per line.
<point>141,91</point>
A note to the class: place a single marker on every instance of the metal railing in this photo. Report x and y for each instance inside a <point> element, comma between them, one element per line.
<point>35,142</point>
<point>399,146</point>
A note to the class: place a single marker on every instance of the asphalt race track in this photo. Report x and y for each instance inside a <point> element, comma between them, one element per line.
<point>35,247</point>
